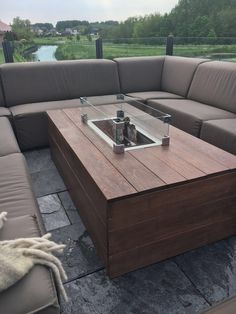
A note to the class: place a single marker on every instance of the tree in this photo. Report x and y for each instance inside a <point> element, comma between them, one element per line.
<point>212,33</point>
<point>22,29</point>
<point>89,37</point>
<point>228,22</point>
<point>149,26</point>
<point>44,26</point>
<point>200,27</point>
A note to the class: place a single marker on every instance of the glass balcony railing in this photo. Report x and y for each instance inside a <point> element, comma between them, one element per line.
<point>61,48</point>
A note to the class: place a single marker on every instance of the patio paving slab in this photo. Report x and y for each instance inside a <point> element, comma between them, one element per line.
<point>69,207</point>
<point>52,211</point>
<point>79,257</point>
<point>39,160</point>
<point>212,269</point>
<point>47,182</point>
<point>160,289</point>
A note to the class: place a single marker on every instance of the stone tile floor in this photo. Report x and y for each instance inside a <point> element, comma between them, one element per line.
<point>189,283</point>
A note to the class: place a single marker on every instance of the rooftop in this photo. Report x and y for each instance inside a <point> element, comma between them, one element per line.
<point>4,27</point>
<point>188,283</point>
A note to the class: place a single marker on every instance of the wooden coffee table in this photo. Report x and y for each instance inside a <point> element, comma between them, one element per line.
<point>149,204</point>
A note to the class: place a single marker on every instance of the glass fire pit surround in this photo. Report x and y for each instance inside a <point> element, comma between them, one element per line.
<point>124,122</point>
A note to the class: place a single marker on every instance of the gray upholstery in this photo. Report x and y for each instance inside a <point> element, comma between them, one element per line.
<point>36,291</point>
<point>188,115</point>
<point>178,73</point>
<point>8,143</point>
<point>33,82</point>
<point>228,306</point>
<point>214,83</point>
<point>91,78</point>
<point>5,112</point>
<point>140,74</point>
<point>16,194</point>
<point>30,121</point>
<point>50,81</point>
<point>144,96</point>
<point>221,133</point>
<point>2,102</point>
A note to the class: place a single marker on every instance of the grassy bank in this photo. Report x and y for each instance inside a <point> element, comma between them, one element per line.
<point>72,51</point>
<point>2,59</point>
<point>49,41</point>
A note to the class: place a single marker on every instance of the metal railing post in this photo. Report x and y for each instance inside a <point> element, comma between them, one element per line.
<point>169,45</point>
<point>99,48</point>
<point>7,51</point>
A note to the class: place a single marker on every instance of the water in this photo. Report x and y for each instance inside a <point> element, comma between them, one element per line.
<point>222,56</point>
<point>45,53</point>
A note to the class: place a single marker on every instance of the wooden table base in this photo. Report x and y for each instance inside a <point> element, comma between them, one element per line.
<point>150,204</point>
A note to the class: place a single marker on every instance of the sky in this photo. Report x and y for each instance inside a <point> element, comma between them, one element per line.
<point>90,10</point>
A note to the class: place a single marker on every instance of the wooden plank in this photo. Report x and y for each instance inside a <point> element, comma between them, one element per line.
<point>124,262</point>
<point>131,211</point>
<point>80,172</point>
<point>111,183</point>
<point>161,169</point>
<point>180,165</point>
<point>200,160</point>
<point>137,174</point>
<point>82,200</point>
<point>58,119</point>
<point>219,155</point>
<point>171,224</point>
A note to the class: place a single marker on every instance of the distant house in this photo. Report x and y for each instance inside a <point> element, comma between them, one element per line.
<point>37,31</point>
<point>3,29</point>
<point>68,31</point>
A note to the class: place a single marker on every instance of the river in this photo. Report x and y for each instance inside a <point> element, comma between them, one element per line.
<point>45,53</point>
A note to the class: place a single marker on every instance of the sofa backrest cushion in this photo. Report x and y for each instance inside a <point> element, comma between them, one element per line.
<point>92,78</point>
<point>178,73</point>
<point>47,81</point>
<point>140,74</point>
<point>214,83</point>
<point>33,82</point>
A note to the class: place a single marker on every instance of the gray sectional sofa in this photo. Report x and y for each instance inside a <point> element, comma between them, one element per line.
<point>36,291</point>
<point>199,94</point>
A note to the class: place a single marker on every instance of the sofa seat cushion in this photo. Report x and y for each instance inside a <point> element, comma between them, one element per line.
<point>221,133</point>
<point>5,112</point>
<point>36,291</point>
<point>144,96</point>
<point>31,121</point>
<point>20,227</point>
<point>8,143</point>
<point>188,115</point>
<point>16,194</point>
<point>226,307</point>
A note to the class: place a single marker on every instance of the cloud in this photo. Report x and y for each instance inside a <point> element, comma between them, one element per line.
<point>92,10</point>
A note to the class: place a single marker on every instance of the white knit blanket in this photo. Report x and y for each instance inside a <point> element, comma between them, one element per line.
<point>17,257</point>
